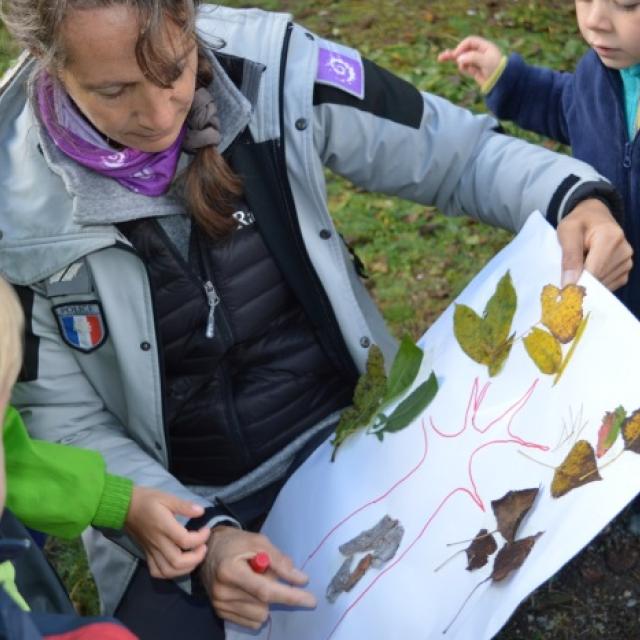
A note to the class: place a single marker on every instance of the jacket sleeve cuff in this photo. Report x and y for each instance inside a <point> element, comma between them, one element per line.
<point>571,192</point>
<point>502,96</point>
<point>216,514</point>
<point>114,503</point>
<point>491,81</point>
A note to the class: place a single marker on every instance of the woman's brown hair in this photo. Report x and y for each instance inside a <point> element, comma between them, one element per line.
<point>211,189</point>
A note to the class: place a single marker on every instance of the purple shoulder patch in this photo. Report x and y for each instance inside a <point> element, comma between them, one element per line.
<point>340,67</point>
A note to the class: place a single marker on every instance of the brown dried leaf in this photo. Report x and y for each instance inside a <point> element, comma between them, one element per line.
<point>511,509</point>
<point>578,468</point>
<point>511,556</point>
<point>478,552</point>
<point>631,432</point>
<point>562,310</point>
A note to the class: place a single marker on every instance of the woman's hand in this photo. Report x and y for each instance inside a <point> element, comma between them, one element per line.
<point>591,239</point>
<point>169,548</point>
<point>237,593</point>
<point>476,58</point>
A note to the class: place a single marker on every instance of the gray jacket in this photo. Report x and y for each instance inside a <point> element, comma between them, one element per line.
<point>57,237</point>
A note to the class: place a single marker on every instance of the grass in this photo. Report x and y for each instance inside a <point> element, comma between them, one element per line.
<point>418,260</point>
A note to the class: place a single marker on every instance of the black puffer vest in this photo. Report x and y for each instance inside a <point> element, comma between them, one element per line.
<point>244,371</point>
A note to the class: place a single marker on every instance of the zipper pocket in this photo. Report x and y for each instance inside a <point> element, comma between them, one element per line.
<point>213,299</point>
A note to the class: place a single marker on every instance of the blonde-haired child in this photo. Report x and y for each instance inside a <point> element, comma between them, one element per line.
<point>61,490</point>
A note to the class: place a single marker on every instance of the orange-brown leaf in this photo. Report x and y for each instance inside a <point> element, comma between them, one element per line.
<point>562,310</point>
<point>511,509</point>
<point>631,432</point>
<point>578,468</point>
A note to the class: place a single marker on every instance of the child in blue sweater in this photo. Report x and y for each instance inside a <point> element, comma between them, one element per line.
<point>594,109</point>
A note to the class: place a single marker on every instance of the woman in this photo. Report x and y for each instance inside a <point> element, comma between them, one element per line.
<point>226,322</point>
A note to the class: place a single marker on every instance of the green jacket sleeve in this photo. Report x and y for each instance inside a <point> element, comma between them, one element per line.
<point>59,489</point>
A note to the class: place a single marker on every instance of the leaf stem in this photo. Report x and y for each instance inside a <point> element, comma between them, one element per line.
<point>543,464</point>
<point>463,604</point>
<point>572,348</point>
<point>451,557</point>
<point>484,535</point>
<point>602,466</point>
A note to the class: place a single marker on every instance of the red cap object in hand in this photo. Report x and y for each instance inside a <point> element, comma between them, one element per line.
<point>260,562</point>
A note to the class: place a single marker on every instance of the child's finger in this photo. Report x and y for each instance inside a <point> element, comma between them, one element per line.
<point>470,43</point>
<point>470,59</point>
<point>446,56</point>
<point>183,538</point>
<point>173,562</point>
<point>154,570</point>
<point>182,507</point>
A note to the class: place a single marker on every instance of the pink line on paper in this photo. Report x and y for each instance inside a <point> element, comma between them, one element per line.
<point>374,501</point>
<point>476,398</point>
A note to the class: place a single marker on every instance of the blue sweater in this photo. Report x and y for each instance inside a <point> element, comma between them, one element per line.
<point>585,110</point>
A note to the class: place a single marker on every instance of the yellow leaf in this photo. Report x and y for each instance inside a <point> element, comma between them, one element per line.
<point>544,350</point>
<point>562,310</point>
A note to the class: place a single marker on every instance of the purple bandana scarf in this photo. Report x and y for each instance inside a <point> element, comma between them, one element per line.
<point>149,174</point>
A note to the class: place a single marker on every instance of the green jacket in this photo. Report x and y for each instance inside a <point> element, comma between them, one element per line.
<point>60,489</point>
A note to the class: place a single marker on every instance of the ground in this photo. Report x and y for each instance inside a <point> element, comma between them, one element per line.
<point>419,261</point>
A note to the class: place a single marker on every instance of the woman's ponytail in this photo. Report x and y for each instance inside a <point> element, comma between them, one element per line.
<point>211,188</point>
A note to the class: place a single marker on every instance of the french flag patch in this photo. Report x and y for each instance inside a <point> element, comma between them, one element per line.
<point>82,325</point>
<point>340,67</point>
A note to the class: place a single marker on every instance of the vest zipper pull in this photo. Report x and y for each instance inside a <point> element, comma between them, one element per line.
<point>213,299</point>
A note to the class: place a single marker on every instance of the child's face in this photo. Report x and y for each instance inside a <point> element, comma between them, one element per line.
<point>612,28</point>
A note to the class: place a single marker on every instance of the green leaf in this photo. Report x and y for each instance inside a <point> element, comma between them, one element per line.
<point>500,310</point>
<point>404,369</point>
<point>544,349</point>
<point>499,357</point>
<point>469,329</point>
<point>367,398</point>
<point>413,405</point>
<point>486,339</point>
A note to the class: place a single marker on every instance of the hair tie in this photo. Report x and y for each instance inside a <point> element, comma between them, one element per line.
<point>203,125</point>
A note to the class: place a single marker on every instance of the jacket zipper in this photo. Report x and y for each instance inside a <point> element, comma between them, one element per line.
<point>628,145</point>
<point>279,160</point>
<point>234,432</point>
<point>213,299</point>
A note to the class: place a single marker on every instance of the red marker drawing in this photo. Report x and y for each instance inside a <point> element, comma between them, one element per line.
<point>260,562</point>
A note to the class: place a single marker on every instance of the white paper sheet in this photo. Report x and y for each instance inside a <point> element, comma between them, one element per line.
<point>439,476</point>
